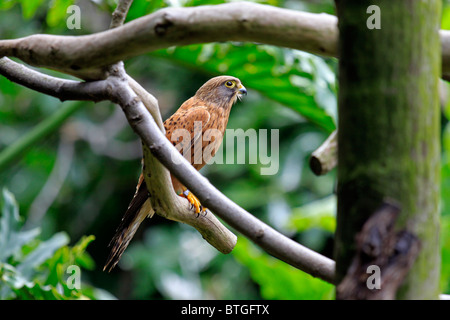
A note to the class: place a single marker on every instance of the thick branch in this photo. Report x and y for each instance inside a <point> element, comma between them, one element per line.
<point>84,56</point>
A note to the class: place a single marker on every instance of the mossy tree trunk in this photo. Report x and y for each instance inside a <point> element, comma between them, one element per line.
<point>389,124</point>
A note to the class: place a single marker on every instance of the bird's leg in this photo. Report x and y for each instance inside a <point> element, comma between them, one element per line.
<point>193,200</point>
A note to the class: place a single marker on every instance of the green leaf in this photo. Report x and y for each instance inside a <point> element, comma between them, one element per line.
<point>36,291</point>
<point>445,17</point>
<point>43,252</point>
<point>35,269</point>
<point>11,238</point>
<point>57,14</point>
<point>7,4</point>
<point>278,280</point>
<point>10,279</point>
<point>29,7</point>
<point>445,171</point>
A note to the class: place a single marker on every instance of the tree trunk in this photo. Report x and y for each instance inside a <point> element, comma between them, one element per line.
<point>389,124</point>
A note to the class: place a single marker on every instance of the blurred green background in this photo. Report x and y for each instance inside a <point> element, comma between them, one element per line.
<point>70,169</point>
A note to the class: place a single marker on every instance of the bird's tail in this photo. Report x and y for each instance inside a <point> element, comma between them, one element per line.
<point>139,209</point>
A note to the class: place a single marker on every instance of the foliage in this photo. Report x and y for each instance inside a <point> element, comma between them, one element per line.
<point>34,269</point>
<point>278,280</point>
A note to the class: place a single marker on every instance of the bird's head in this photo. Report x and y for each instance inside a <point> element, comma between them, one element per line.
<point>222,91</point>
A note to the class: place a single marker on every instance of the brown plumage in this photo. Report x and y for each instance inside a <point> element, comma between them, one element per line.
<point>210,107</point>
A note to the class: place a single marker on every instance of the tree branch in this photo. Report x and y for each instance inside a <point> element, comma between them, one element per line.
<point>120,13</point>
<point>85,56</point>
<point>56,87</point>
<point>324,158</point>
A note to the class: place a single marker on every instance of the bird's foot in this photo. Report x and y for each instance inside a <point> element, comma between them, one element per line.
<point>195,203</point>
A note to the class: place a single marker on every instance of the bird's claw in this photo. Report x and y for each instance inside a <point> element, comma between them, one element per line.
<point>195,203</point>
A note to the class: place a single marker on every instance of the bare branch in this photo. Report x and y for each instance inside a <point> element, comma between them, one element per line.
<point>84,56</point>
<point>150,102</point>
<point>119,15</point>
<point>59,88</point>
<point>324,158</point>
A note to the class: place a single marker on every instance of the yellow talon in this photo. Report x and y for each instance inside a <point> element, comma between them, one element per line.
<point>195,203</point>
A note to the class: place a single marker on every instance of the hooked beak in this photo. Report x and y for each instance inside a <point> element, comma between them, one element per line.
<point>242,90</point>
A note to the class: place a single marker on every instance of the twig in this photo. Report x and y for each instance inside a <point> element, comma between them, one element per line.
<point>117,88</point>
<point>120,13</point>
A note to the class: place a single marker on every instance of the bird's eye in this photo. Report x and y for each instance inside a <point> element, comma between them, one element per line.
<point>230,84</point>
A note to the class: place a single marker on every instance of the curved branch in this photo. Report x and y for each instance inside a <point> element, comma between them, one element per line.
<point>85,56</point>
<point>148,100</point>
<point>62,89</point>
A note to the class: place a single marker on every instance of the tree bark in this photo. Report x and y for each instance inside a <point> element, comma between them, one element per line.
<point>389,125</point>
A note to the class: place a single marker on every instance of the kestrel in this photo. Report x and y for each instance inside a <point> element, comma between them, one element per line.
<point>208,109</point>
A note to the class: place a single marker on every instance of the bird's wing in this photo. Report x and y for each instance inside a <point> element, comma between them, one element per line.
<point>189,123</point>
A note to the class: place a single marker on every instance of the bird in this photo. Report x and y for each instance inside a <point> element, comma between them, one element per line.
<point>210,108</point>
